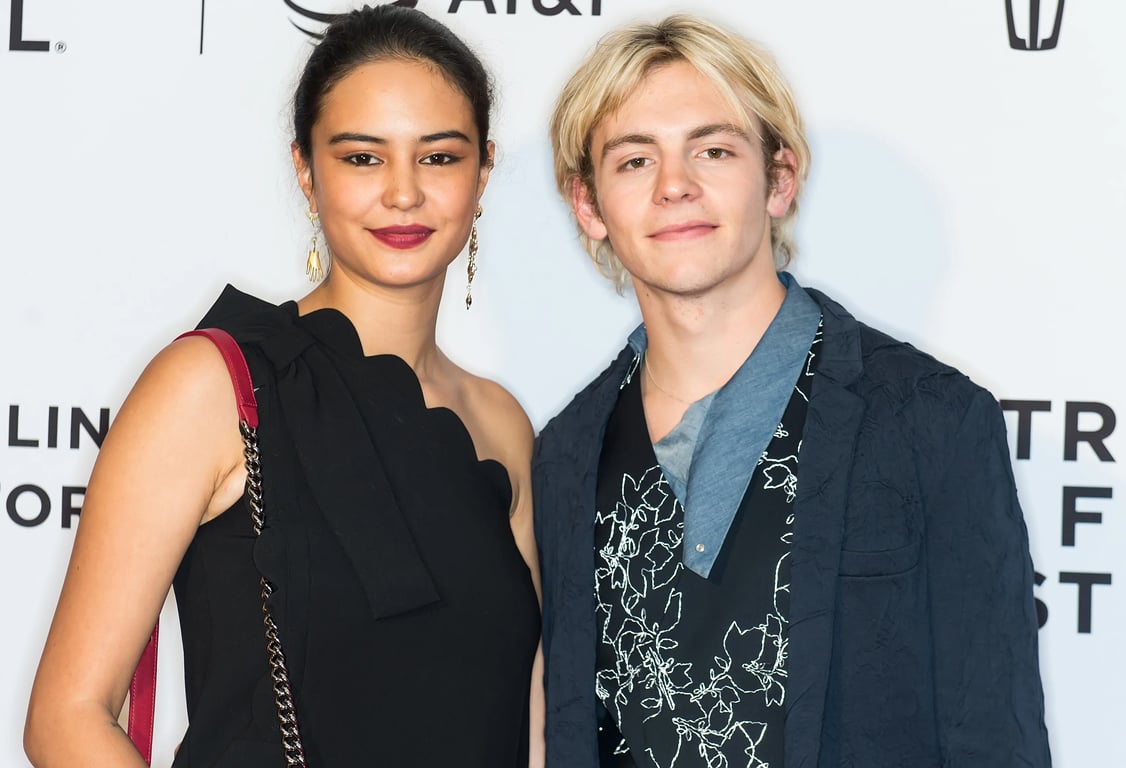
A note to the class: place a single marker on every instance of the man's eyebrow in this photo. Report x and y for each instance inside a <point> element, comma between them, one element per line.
<point>429,138</point>
<point>696,133</point>
<point>629,138</point>
<point>711,130</point>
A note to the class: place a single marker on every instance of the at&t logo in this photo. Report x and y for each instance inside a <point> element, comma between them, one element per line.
<point>508,7</point>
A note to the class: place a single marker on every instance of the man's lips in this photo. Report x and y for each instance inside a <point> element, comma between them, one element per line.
<point>684,230</point>
<point>402,237</point>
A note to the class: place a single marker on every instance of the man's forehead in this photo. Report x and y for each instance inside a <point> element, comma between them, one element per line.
<point>625,128</point>
<point>645,110</point>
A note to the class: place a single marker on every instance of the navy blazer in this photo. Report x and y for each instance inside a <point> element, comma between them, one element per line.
<point>912,635</point>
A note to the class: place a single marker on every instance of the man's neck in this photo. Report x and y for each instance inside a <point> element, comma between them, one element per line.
<point>696,344</point>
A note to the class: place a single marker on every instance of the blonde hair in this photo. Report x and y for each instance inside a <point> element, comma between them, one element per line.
<point>745,75</point>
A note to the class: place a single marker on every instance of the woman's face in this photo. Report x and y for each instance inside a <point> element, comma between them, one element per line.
<point>395,173</point>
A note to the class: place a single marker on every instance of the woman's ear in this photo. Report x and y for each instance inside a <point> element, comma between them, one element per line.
<point>486,168</point>
<point>304,170</point>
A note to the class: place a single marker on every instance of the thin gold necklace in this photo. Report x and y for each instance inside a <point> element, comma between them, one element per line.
<point>657,384</point>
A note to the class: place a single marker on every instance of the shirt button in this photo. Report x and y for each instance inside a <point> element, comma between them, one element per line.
<point>699,547</point>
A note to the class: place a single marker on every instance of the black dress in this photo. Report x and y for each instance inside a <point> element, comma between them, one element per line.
<point>408,616</point>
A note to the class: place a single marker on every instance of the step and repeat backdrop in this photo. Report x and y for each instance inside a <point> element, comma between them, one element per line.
<point>967,195</point>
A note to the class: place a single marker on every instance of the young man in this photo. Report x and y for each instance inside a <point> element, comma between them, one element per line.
<point>769,534</point>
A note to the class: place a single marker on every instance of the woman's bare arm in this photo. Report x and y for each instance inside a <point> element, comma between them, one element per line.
<point>171,461</point>
<point>519,441</point>
<point>500,430</point>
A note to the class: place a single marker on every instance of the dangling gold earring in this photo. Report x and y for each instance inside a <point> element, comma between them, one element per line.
<point>314,267</point>
<point>472,269</point>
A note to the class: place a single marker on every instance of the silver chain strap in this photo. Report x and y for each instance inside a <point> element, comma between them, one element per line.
<point>283,694</point>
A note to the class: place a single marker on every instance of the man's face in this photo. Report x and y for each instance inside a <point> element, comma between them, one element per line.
<point>680,188</point>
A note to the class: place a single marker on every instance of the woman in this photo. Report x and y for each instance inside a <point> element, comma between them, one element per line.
<point>397,499</point>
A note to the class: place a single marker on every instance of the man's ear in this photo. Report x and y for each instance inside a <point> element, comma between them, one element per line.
<point>585,206</point>
<point>783,183</point>
<point>304,170</point>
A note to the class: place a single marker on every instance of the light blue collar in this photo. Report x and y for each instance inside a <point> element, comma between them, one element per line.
<point>739,424</point>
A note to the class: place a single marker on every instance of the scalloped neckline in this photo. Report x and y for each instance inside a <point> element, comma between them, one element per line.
<point>336,330</point>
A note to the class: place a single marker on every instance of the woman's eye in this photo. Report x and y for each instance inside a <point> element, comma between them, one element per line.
<point>439,158</point>
<point>362,158</point>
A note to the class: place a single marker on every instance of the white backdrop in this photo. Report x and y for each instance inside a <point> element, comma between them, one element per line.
<point>965,196</point>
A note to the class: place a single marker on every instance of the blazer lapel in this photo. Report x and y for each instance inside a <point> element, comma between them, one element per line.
<point>578,579</point>
<point>569,493</point>
<point>824,468</point>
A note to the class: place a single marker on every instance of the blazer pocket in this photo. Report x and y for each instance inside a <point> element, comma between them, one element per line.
<point>888,562</point>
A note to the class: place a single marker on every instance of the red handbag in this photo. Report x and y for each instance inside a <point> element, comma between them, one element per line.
<point>142,689</point>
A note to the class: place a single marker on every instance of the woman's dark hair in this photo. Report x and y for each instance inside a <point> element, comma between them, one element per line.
<point>388,32</point>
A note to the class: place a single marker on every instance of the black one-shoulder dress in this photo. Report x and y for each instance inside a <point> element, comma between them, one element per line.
<point>408,616</point>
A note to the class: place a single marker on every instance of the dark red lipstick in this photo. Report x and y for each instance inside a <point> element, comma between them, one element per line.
<point>402,237</point>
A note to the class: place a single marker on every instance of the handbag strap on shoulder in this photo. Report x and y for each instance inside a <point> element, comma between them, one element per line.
<point>237,368</point>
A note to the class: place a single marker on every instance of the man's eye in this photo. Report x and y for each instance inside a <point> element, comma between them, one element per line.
<point>716,153</point>
<point>634,163</point>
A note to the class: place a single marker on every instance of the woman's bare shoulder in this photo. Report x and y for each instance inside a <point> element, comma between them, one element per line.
<point>184,402</point>
<point>499,408</point>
